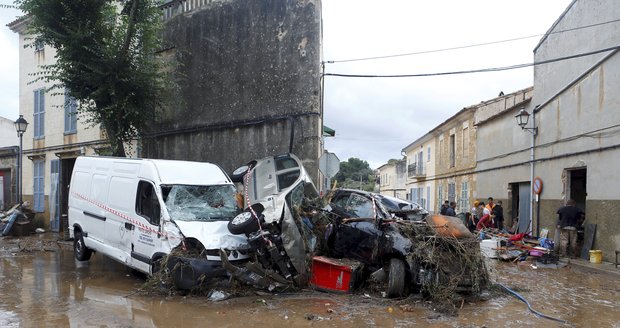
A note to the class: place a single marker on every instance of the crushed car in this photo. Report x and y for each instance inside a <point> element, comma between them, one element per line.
<point>289,228</point>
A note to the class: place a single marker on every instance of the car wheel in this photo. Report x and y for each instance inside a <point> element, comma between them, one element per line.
<point>240,172</point>
<point>82,253</point>
<point>243,223</point>
<point>396,278</point>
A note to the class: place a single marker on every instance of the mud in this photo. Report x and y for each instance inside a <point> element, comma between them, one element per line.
<point>42,285</point>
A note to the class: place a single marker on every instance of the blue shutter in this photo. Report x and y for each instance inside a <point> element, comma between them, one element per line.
<point>39,186</point>
<point>39,113</point>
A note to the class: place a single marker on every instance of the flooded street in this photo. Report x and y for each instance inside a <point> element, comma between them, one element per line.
<point>44,286</point>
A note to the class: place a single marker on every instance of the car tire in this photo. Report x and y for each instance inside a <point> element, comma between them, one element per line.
<point>238,174</point>
<point>243,223</point>
<point>396,278</point>
<point>81,252</point>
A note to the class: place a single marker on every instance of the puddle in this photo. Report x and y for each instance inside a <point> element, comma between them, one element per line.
<point>49,288</point>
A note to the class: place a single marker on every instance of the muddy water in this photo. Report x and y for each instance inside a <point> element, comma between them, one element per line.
<point>51,289</point>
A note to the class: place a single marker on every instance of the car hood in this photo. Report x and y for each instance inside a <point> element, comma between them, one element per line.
<point>212,235</point>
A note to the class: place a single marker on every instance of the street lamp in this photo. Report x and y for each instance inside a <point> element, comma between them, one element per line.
<point>522,119</point>
<point>20,125</point>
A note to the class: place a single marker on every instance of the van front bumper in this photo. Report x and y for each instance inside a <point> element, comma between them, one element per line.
<point>189,273</point>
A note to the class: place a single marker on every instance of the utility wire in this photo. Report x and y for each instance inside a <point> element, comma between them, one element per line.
<point>469,46</point>
<point>482,70</point>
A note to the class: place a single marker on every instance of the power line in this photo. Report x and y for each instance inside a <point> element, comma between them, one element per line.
<point>471,45</point>
<point>482,70</point>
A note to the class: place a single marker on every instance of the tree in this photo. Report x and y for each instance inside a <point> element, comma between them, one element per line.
<point>355,173</point>
<point>105,60</point>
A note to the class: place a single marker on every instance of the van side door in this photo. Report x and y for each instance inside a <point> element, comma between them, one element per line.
<point>146,236</point>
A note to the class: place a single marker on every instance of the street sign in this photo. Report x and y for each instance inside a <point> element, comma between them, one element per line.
<point>537,185</point>
<point>329,164</point>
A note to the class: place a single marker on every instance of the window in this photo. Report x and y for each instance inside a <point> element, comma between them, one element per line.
<point>465,142</point>
<point>428,154</point>
<point>70,114</point>
<point>147,204</point>
<point>439,196</point>
<point>464,202</point>
<point>440,149</point>
<point>451,191</point>
<point>39,186</point>
<point>39,46</point>
<point>421,199</point>
<point>428,198</point>
<point>452,150</point>
<point>39,113</point>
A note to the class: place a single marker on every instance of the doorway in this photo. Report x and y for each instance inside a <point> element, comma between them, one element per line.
<point>521,203</point>
<point>577,181</point>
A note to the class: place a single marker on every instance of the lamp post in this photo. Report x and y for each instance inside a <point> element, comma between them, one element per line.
<point>20,125</point>
<point>522,119</point>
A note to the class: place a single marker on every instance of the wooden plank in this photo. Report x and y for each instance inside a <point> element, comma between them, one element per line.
<point>588,240</point>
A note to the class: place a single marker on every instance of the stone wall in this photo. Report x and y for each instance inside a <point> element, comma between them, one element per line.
<point>249,84</point>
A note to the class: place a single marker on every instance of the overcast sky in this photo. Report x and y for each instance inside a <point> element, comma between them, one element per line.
<point>375,118</point>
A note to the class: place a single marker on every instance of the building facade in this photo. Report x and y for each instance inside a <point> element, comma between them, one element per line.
<point>572,140</point>
<point>55,135</point>
<point>8,163</point>
<point>392,177</point>
<point>503,150</point>
<point>420,183</point>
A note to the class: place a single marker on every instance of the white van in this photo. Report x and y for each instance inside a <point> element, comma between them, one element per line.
<point>136,211</point>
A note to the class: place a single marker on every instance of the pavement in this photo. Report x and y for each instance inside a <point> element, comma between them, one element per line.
<point>603,267</point>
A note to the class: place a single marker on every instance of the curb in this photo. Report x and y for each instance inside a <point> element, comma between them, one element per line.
<point>603,267</point>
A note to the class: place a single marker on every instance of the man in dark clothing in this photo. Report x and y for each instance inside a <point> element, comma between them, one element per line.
<point>444,207</point>
<point>450,211</point>
<point>568,220</point>
<point>498,215</point>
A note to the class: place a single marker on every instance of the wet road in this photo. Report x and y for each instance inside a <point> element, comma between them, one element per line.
<point>50,289</point>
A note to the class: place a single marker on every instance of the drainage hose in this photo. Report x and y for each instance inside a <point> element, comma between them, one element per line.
<point>530,307</point>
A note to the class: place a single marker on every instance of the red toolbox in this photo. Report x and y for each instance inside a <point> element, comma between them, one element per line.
<point>335,275</point>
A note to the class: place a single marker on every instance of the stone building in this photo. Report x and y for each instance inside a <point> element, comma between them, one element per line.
<point>9,150</point>
<point>249,80</point>
<point>420,183</point>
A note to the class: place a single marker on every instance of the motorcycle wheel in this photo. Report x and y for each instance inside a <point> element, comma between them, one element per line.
<point>396,278</point>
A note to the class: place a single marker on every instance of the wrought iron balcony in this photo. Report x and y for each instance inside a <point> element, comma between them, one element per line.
<point>416,170</point>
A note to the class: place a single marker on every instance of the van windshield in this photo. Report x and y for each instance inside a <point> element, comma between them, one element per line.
<point>200,203</point>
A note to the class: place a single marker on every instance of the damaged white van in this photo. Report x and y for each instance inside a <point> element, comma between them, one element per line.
<point>137,211</point>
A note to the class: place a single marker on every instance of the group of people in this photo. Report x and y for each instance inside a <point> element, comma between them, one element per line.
<point>489,215</point>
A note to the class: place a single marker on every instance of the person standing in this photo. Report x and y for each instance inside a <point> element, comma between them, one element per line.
<point>444,208</point>
<point>451,211</point>
<point>498,215</point>
<point>568,220</point>
<point>490,204</point>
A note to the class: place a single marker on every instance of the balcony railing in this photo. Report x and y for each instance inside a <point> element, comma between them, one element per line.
<point>174,7</point>
<point>416,170</point>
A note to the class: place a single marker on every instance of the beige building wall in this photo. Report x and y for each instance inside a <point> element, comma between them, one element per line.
<point>456,159</point>
<point>392,179</point>
<point>55,144</point>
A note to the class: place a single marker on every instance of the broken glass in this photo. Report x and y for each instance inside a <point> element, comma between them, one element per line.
<point>200,203</point>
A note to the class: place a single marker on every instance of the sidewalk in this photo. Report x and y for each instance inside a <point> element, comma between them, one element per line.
<point>604,267</point>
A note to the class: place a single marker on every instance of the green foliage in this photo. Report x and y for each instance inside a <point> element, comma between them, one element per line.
<point>105,58</point>
<point>356,174</point>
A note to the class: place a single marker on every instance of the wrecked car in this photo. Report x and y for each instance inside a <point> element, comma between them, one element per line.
<point>411,255</point>
<point>273,188</point>
<point>403,209</point>
<point>138,211</point>
<point>288,227</point>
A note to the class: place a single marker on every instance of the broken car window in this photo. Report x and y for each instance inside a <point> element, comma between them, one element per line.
<point>200,203</point>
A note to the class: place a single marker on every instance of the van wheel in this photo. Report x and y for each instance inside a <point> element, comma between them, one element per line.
<point>82,253</point>
<point>243,223</point>
<point>396,278</point>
